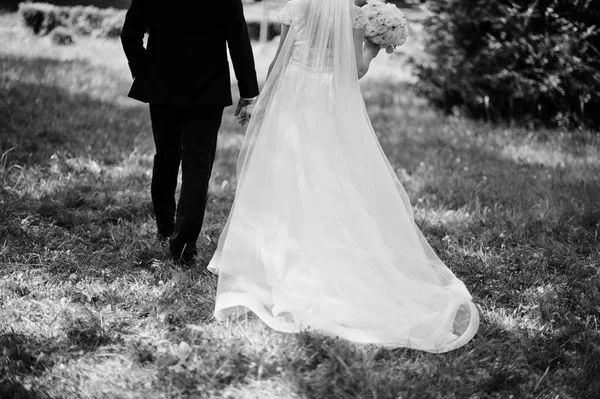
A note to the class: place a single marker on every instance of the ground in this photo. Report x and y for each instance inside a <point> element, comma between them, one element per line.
<point>91,307</point>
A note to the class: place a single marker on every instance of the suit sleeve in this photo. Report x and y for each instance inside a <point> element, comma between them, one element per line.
<point>132,36</point>
<point>240,50</point>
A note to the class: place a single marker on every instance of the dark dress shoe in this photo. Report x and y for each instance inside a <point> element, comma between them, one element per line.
<point>184,258</point>
<point>162,239</point>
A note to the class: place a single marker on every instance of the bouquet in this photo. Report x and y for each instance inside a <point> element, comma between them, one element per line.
<point>386,24</point>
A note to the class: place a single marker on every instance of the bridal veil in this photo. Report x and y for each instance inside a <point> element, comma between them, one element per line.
<point>321,235</point>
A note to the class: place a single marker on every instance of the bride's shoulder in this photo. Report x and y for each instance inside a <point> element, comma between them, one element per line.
<point>286,15</point>
<point>360,17</point>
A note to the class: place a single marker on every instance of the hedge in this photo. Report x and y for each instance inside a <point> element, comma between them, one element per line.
<point>530,61</point>
<point>273,29</point>
<point>62,36</point>
<point>9,5</point>
<point>119,4</point>
<point>43,18</point>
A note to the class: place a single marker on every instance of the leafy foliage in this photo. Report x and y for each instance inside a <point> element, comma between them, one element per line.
<point>519,60</point>
<point>62,36</point>
<point>120,4</point>
<point>9,5</point>
<point>43,18</point>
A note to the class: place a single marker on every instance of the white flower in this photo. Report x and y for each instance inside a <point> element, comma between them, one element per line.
<point>395,20</point>
<point>376,39</point>
<point>389,20</point>
<point>372,7</point>
<point>388,38</point>
<point>386,23</point>
<point>390,8</point>
<point>370,31</point>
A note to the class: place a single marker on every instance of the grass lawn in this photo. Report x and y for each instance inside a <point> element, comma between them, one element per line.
<point>90,306</point>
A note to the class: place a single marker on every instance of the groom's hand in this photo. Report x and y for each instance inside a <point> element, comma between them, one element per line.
<point>243,104</point>
<point>242,111</point>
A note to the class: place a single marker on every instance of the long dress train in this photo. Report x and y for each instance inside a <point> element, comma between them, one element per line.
<point>321,234</point>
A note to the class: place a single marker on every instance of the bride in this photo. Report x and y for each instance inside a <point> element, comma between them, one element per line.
<point>321,235</point>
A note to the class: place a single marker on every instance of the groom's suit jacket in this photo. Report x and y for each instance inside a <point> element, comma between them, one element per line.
<point>185,60</point>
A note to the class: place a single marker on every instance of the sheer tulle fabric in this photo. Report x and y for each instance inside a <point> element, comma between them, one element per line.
<point>321,234</point>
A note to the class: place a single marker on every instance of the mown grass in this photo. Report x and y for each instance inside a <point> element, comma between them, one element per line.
<point>90,306</point>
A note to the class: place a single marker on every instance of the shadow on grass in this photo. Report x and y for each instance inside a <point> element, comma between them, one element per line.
<point>83,207</point>
<point>22,356</point>
<point>12,388</point>
<point>69,122</point>
<point>50,106</point>
<point>498,363</point>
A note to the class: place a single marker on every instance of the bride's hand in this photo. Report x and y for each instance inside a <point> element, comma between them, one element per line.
<point>372,48</point>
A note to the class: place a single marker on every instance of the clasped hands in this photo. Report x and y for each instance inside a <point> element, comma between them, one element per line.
<point>244,110</point>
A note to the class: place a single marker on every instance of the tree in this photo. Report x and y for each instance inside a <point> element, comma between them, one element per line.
<point>520,60</point>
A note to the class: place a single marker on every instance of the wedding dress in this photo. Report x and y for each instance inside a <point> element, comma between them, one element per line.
<point>321,235</point>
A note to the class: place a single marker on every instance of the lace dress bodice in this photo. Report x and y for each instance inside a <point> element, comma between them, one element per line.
<point>288,17</point>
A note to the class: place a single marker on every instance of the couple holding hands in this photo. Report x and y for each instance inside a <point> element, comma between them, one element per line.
<point>321,234</point>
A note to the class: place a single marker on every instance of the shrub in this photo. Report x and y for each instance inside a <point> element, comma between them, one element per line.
<point>62,36</point>
<point>120,4</point>
<point>273,29</point>
<point>521,60</point>
<point>88,20</point>
<point>9,5</point>
<point>42,18</point>
<point>111,26</point>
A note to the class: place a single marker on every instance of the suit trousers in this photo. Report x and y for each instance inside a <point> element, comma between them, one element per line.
<point>184,135</point>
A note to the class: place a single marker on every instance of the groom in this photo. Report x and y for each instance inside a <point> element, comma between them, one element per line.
<point>183,73</point>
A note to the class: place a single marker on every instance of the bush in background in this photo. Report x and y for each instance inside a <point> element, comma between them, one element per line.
<point>62,36</point>
<point>42,18</point>
<point>119,4</point>
<point>516,60</point>
<point>111,26</point>
<point>90,21</point>
<point>273,29</point>
<point>13,5</point>
<point>9,5</point>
